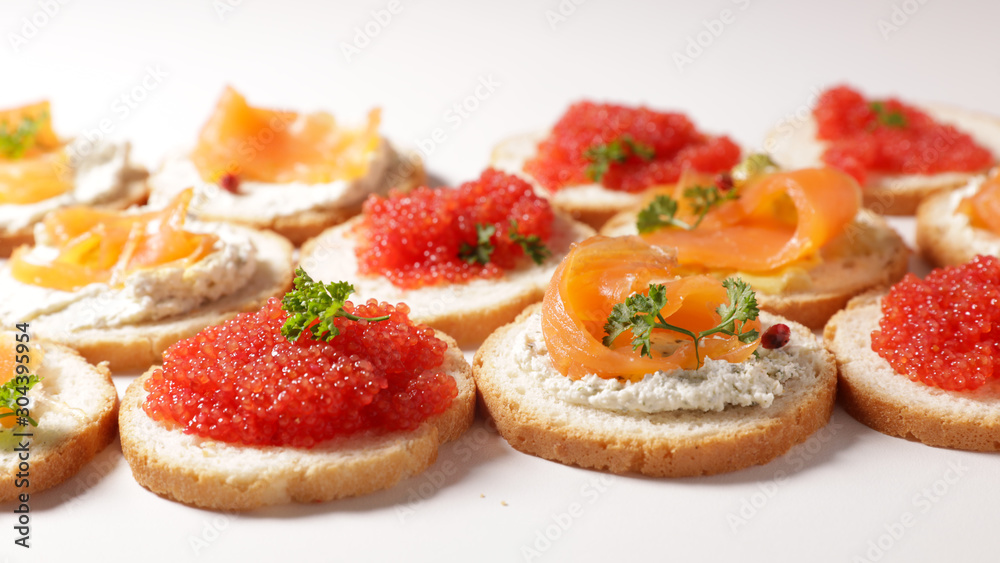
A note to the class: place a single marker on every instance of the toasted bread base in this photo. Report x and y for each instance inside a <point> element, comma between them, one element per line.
<point>796,146</point>
<point>469,311</point>
<point>872,255</point>
<point>671,444</point>
<point>81,420</point>
<point>873,393</point>
<point>136,347</point>
<point>211,474</point>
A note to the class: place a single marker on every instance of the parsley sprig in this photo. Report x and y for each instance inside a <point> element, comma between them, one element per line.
<point>888,118</point>
<point>313,301</point>
<point>662,211</point>
<point>15,141</point>
<point>483,249</point>
<point>640,313</point>
<point>10,391</point>
<point>532,245</point>
<point>602,155</point>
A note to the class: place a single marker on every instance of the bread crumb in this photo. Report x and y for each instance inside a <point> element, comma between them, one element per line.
<point>503,503</point>
<point>481,495</point>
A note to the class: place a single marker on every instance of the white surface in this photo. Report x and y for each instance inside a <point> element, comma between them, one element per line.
<point>844,489</point>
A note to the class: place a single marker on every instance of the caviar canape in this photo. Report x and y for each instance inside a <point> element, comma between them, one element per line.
<point>920,361</point>
<point>308,399</point>
<point>40,172</point>
<point>899,152</point>
<point>628,368</point>
<point>466,260</point>
<point>294,173</point>
<point>121,286</point>
<point>798,237</point>
<point>598,157</point>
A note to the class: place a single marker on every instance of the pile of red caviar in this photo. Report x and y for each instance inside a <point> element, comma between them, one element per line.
<point>908,142</point>
<point>561,158</point>
<point>944,330</point>
<point>243,382</point>
<point>416,239</point>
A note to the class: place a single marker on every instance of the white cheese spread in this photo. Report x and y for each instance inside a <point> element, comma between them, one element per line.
<point>103,173</point>
<point>713,387</point>
<point>261,202</point>
<point>146,295</point>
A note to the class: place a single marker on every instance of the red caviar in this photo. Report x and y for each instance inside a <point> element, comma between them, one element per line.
<point>891,137</point>
<point>561,158</point>
<point>944,330</point>
<point>243,382</point>
<point>416,239</point>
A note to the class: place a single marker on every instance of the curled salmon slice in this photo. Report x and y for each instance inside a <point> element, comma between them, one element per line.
<point>777,219</point>
<point>602,271</point>
<point>281,146</point>
<point>33,161</point>
<point>104,247</point>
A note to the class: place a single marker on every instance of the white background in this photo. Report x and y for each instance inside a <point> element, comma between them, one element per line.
<point>835,498</point>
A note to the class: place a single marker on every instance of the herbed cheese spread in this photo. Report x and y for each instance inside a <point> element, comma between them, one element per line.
<point>103,172</point>
<point>146,295</point>
<point>261,202</point>
<point>713,387</point>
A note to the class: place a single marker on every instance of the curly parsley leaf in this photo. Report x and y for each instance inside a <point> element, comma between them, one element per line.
<point>15,141</point>
<point>532,244</point>
<point>704,199</point>
<point>10,391</point>
<point>313,306</point>
<point>483,249</point>
<point>619,150</point>
<point>640,314</point>
<point>894,118</point>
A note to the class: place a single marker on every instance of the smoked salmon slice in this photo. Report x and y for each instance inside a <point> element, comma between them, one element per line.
<point>33,161</point>
<point>983,208</point>
<point>275,146</point>
<point>602,271</point>
<point>776,219</point>
<point>103,247</point>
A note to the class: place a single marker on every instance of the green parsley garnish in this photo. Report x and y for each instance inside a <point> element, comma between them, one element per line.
<point>888,118</point>
<point>532,244</point>
<point>15,141</point>
<point>640,313</point>
<point>10,391</point>
<point>312,301</point>
<point>483,249</point>
<point>662,211</point>
<point>603,154</point>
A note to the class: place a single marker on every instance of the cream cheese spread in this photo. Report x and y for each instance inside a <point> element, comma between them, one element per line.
<point>261,202</point>
<point>713,387</point>
<point>104,173</point>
